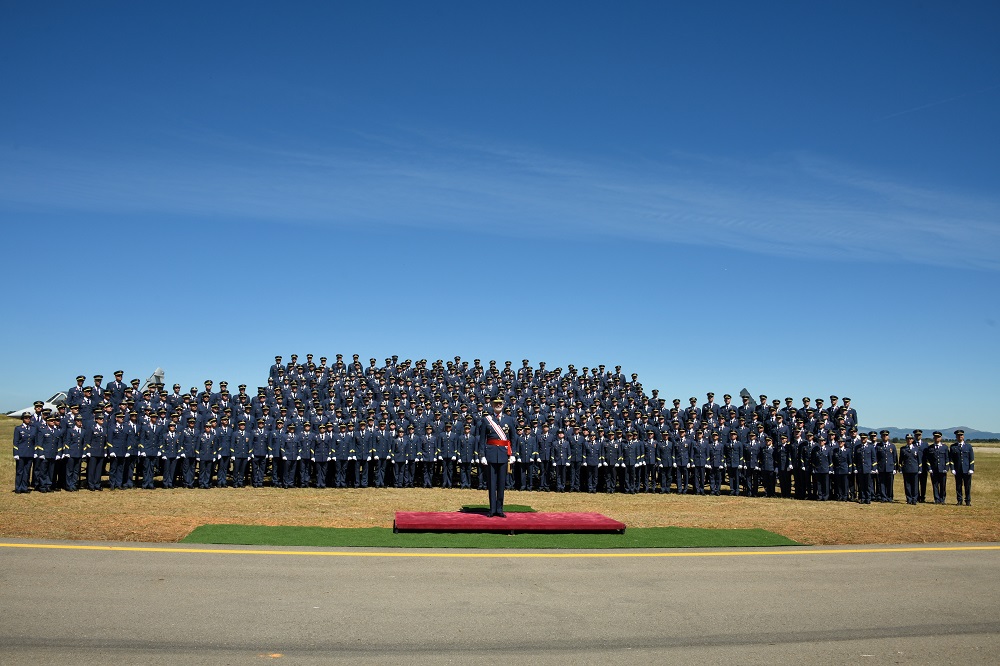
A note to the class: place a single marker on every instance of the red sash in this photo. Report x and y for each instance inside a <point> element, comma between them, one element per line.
<point>500,442</point>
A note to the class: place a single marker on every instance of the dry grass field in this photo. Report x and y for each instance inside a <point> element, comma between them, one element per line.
<point>169,515</point>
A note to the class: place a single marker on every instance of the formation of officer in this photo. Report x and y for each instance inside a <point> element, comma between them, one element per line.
<point>407,424</point>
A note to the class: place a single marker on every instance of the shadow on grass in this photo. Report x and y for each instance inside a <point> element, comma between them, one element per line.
<point>383,537</point>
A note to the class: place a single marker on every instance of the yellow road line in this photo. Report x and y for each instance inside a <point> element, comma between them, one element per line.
<point>792,550</point>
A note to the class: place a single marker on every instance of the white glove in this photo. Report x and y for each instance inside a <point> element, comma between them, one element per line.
<point>675,464</point>
<point>270,457</point>
<point>86,455</point>
<point>482,461</point>
<point>17,457</point>
<point>511,460</point>
<point>298,457</point>
<point>127,455</point>
<point>584,464</point>
<point>284,457</point>
<point>689,465</point>
<point>164,457</point>
<point>369,459</point>
<point>953,472</point>
<point>567,464</point>
<point>376,457</point>
<point>803,469</point>
<point>618,464</point>
<point>112,454</point>
<point>789,468</point>
<point>453,459</point>
<point>183,455</point>
<point>459,461</point>
<point>970,472</point>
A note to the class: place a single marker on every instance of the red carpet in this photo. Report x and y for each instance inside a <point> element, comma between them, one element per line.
<point>460,521</point>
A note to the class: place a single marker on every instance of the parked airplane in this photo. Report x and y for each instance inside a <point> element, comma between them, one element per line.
<point>154,380</point>
<point>51,403</point>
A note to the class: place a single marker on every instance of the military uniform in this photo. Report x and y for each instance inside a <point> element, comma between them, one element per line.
<point>938,454</point>
<point>963,465</point>
<point>910,464</point>
<point>496,431</point>
<point>24,454</point>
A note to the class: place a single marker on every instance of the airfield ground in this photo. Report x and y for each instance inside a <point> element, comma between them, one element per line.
<point>169,515</point>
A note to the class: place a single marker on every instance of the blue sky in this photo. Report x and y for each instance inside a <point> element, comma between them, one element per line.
<point>795,198</point>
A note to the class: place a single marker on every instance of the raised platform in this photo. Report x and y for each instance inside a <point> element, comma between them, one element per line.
<point>466,521</point>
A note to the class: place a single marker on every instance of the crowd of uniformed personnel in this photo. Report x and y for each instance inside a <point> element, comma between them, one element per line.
<point>405,424</point>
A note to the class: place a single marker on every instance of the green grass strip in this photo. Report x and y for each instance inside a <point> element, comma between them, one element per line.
<point>507,508</point>
<point>384,537</point>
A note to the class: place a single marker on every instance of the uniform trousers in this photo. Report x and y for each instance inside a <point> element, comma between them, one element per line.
<point>698,479</point>
<point>223,472</point>
<point>187,471</point>
<point>169,472</point>
<point>939,483</point>
<point>148,472</point>
<point>496,480</point>
<point>304,469</point>
<point>124,472</point>
<point>321,469</point>
<point>257,467</point>
<point>769,478</point>
<point>734,480</point>
<point>885,490</point>
<point>95,470</point>
<point>681,475</point>
<point>116,470</point>
<point>822,484</point>
<point>843,486</point>
<point>22,474</point>
<point>239,472</point>
<point>72,473</point>
<point>911,487</point>
<point>963,484</point>
<point>43,473</point>
<point>802,486</point>
<point>379,466</point>
<point>714,477</point>
<point>864,485</point>
<point>785,479</point>
<point>205,473</point>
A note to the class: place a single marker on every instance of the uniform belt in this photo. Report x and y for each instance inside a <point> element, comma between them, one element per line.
<point>500,442</point>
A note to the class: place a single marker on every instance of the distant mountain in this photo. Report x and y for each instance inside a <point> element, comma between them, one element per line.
<point>947,433</point>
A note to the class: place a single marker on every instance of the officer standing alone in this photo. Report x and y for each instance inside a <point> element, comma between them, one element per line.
<point>496,430</point>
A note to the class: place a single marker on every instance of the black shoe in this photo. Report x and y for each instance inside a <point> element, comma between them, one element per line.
<point>501,515</point>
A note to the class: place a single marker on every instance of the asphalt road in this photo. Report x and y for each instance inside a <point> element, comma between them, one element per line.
<point>90,606</point>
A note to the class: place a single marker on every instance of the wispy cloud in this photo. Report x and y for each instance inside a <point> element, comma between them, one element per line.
<point>790,205</point>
